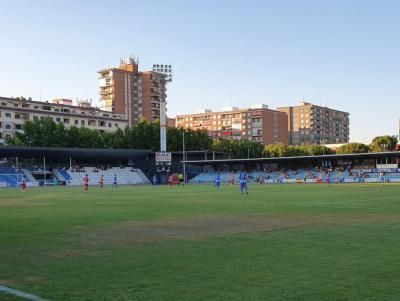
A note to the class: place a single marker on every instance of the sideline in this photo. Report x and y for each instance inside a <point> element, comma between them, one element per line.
<point>18,293</point>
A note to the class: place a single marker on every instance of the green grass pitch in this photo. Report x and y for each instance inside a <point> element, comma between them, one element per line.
<point>282,242</point>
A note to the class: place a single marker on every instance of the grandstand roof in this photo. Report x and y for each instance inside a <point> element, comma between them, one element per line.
<point>301,158</point>
<point>75,153</point>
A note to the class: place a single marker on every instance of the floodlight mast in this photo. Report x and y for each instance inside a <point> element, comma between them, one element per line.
<point>166,70</point>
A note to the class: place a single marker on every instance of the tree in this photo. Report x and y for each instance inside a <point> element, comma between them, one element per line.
<point>73,138</point>
<point>276,150</point>
<point>145,135</point>
<point>383,143</point>
<point>352,148</point>
<point>40,132</point>
<point>316,150</point>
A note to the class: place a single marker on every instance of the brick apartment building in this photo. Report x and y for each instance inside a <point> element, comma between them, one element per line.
<point>310,124</point>
<point>126,95</point>
<point>257,123</point>
<point>133,93</point>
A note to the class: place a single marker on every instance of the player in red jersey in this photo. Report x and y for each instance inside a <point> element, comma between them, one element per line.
<point>23,184</point>
<point>101,181</point>
<point>86,180</point>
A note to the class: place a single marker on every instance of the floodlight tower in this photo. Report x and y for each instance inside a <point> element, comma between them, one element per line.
<point>163,158</point>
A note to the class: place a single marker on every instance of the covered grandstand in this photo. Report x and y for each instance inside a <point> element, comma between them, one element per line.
<point>344,168</point>
<point>68,166</point>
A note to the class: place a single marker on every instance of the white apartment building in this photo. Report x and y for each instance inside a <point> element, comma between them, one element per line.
<point>14,112</point>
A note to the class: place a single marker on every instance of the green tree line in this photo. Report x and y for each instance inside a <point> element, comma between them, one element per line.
<point>46,132</point>
<point>145,135</point>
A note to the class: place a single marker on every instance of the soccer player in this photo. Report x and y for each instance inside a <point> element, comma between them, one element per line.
<point>101,181</point>
<point>55,181</point>
<point>243,183</point>
<point>328,178</point>
<point>181,180</point>
<point>86,180</point>
<point>115,182</point>
<point>382,177</point>
<point>154,182</point>
<point>23,184</point>
<point>217,181</point>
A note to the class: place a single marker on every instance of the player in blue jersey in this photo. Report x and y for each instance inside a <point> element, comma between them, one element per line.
<point>154,182</point>
<point>243,183</point>
<point>382,177</point>
<point>115,182</point>
<point>217,181</point>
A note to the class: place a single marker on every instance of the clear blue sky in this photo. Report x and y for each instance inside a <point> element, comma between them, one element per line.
<point>344,54</point>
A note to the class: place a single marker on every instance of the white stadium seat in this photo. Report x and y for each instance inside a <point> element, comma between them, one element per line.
<point>125,176</point>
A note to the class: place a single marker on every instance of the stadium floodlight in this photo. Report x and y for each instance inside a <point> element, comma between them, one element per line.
<point>164,69</point>
<point>163,165</point>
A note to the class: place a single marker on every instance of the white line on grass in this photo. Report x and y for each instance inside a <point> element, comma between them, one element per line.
<point>18,293</point>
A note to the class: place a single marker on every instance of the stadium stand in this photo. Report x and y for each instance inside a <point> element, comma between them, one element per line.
<point>9,176</point>
<point>64,174</point>
<point>125,175</point>
<point>302,175</point>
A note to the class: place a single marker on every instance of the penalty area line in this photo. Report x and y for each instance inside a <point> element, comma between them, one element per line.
<point>20,294</point>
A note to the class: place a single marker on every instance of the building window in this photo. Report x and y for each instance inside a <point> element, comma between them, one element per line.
<point>82,122</point>
<point>76,122</point>
<point>8,115</point>
<point>58,119</point>
<point>8,127</point>
<point>109,124</point>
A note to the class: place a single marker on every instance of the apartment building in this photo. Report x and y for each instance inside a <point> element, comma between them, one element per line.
<point>135,94</point>
<point>14,112</point>
<point>310,124</point>
<point>257,123</point>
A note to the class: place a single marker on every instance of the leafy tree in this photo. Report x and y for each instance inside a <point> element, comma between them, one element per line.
<point>319,150</point>
<point>73,138</point>
<point>352,148</point>
<point>383,143</point>
<point>276,150</point>
<point>238,149</point>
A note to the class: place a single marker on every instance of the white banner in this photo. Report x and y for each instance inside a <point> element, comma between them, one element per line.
<point>163,157</point>
<point>289,181</point>
<point>371,180</point>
